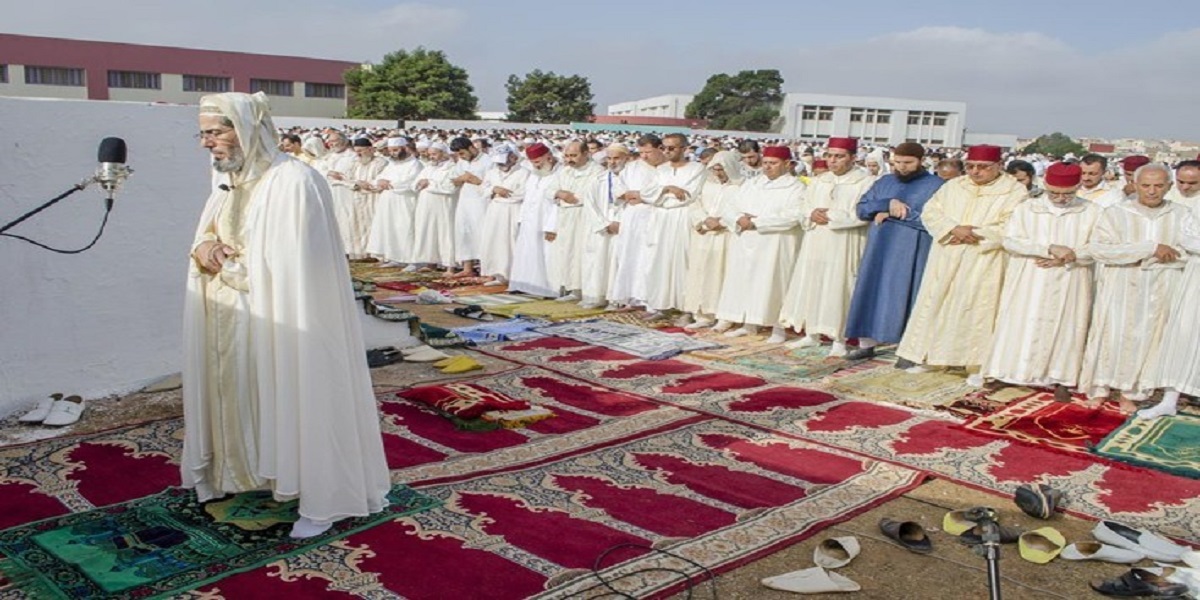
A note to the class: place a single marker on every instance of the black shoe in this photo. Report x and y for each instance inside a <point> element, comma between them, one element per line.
<point>904,363</point>
<point>381,357</point>
<point>1140,583</point>
<point>974,535</point>
<point>861,353</point>
<point>909,534</point>
<point>1037,500</point>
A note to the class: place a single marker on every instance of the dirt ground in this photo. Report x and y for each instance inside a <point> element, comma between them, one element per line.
<point>883,569</point>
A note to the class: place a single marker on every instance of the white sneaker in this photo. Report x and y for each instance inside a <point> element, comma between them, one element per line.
<point>41,411</point>
<point>65,411</point>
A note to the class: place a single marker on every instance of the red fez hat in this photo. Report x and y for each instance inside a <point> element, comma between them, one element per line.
<point>780,152</point>
<point>820,163</point>
<point>985,153</point>
<point>1135,162</point>
<point>536,151</point>
<point>845,143</point>
<point>1063,175</point>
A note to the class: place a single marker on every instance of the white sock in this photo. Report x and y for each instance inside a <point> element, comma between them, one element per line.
<point>867,342</point>
<point>778,335</point>
<point>305,527</point>
<point>722,326</point>
<point>1167,407</point>
<point>838,349</point>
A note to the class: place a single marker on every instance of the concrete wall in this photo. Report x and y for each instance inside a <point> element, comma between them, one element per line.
<point>107,320</point>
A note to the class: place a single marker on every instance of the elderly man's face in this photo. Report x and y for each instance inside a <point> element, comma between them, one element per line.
<point>616,160</point>
<point>982,171</point>
<point>436,155</point>
<point>1152,186</point>
<point>718,171</point>
<point>221,141</point>
<point>543,162</point>
<point>1187,180</point>
<point>1092,174</point>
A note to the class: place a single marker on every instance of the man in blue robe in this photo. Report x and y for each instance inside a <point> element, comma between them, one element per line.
<point>897,247</point>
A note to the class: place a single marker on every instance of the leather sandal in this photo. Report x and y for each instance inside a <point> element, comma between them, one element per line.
<point>909,534</point>
<point>1139,583</point>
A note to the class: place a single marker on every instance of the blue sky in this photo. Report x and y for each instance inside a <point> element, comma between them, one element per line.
<point>1091,68</point>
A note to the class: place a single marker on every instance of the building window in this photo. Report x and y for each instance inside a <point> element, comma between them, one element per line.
<point>809,114</point>
<point>135,80</point>
<point>939,119</point>
<point>824,113</point>
<point>856,115</point>
<point>205,83</point>
<point>883,117</point>
<point>324,90</point>
<point>271,87</point>
<point>53,76</point>
<point>3,73</point>
<point>937,142</point>
<point>914,118</point>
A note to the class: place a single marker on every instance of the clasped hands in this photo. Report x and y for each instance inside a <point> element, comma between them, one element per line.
<point>212,255</point>
<point>1059,256</point>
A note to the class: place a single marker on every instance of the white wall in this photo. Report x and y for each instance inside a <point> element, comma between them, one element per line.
<point>107,320</point>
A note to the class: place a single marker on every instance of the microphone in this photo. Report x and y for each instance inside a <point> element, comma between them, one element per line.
<point>112,172</point>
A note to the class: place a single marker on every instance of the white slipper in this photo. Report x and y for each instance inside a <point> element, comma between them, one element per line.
<point>305,527</point>
<point>1139,540</point>
<point>836,552</point>
<point>1191,558</point>
<point>405,351</point>
<point>1101,552</point>
<point>41,411</point>
<point>426,354</point>
<point>811,581</point>
<point>65,411</point>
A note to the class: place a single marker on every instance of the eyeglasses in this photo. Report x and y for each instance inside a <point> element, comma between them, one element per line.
<point>212,134</point>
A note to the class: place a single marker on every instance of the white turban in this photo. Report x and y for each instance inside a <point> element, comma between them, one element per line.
<point>423,145</point>
<point>251,118</point>
<point>396,142</point>
<point>440,146</point>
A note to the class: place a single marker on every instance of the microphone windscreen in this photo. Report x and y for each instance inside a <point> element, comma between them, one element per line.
<point>112,150</point>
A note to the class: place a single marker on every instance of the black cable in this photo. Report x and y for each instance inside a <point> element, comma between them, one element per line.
<point>614,591</point>
<point>108,204</point>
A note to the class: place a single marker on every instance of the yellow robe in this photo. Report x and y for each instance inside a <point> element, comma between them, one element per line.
<point>955,313</point>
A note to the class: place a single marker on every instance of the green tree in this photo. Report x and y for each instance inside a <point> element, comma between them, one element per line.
<point>548,98</point>
<point>1055,144</point>
<point>748,101</point>
<point>409,86</point>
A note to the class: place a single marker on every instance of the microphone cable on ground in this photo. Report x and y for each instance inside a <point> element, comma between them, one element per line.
<point>608,583</point>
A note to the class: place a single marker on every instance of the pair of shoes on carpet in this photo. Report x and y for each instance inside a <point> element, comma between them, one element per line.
<point>829,554</point>
<point>1143,583</point>
<point>1152,545</point>
<point>56,410</point>
<point>471,311</point>
<point>422,353</point>
<point>455,365</point>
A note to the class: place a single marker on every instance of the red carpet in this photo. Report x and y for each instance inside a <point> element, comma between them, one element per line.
<point>1096,487</point>
<point>1039,419</point>
<point>613,467</point>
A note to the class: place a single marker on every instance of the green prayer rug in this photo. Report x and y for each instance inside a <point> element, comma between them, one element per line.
<point>1169,444</point>
<point>166,543</point>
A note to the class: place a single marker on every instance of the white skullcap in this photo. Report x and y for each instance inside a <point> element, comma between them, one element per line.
<point>501,152</point>
<point>423,145</point>
<point>440,146</point>
<point>396,142</point>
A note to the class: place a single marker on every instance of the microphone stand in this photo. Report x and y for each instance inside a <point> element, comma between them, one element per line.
<point>77,187</point>
<point>990,550</point>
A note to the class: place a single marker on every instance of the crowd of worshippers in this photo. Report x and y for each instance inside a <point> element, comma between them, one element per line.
<point>1031,271</point>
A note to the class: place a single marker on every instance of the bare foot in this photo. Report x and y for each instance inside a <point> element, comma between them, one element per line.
<point>1095,403</point>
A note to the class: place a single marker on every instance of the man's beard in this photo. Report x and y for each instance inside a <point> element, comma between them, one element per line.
<point>910,176</point>
<point>232,164</point>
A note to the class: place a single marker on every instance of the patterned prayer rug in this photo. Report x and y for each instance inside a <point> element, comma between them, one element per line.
<point>980,403</point>
<point>493,299</point>
<point>633,317</point>
<point>890,385</point>
<point>1170,444</point>
<point>776,362</point>
<point>1039,419</point>
<point>551,310</point>
<point>630,339</point>
<point>926,440</point>
<point>166,543</point>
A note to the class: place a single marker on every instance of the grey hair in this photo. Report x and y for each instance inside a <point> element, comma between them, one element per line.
<point>1152,167</point>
